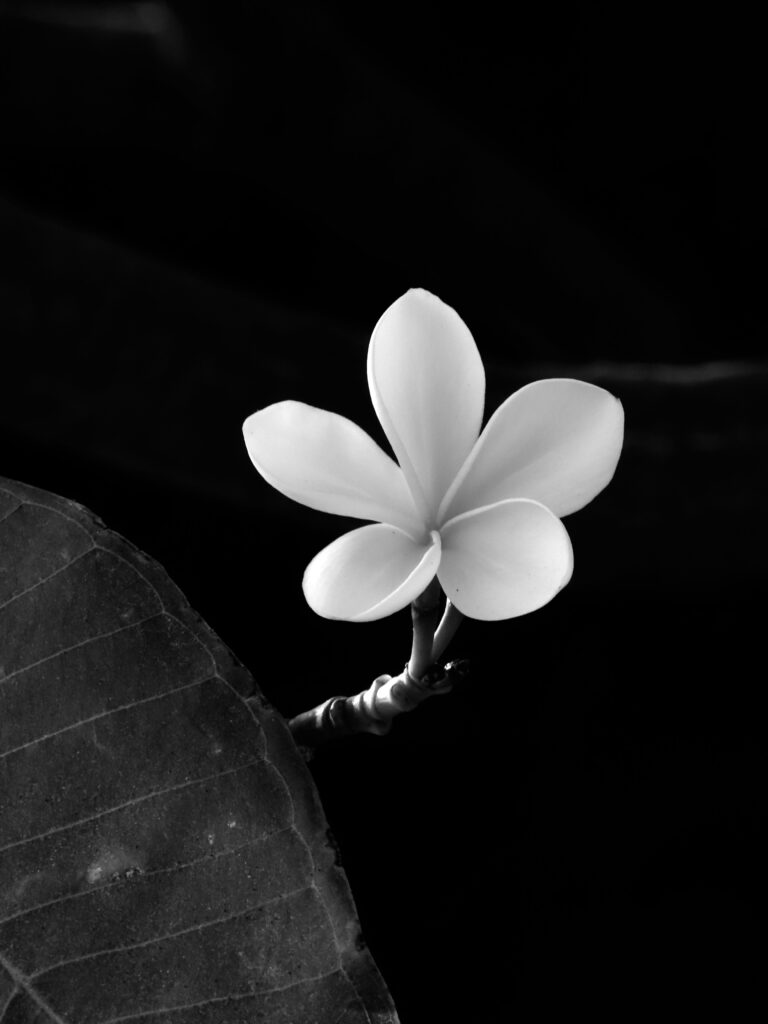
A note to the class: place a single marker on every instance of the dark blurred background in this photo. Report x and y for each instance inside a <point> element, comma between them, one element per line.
<point>205,207</point>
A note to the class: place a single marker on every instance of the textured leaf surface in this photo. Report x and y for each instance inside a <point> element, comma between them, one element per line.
<point>163,854</point>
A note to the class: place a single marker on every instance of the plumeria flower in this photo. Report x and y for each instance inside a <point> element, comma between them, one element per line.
<point>480,511</point>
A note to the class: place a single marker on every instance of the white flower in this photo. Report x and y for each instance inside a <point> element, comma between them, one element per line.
<point>479,510</point>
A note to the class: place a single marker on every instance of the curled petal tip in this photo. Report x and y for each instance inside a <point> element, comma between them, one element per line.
<point>369,573</point>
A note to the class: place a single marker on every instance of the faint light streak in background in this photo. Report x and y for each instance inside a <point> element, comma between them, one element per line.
<point>154,21</point>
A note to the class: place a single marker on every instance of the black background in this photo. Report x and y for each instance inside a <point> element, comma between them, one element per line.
<point>205,207</point>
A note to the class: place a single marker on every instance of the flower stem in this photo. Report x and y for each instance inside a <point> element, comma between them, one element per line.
<point>425,612</point>
<point>449,623</point>
<point>372,710</point>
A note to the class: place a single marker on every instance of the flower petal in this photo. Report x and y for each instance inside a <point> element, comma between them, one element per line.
<point>329,463</point>
<point>427,385</point>
<point>370,573</point>
<point>555,441</point>
<point>504,560</point>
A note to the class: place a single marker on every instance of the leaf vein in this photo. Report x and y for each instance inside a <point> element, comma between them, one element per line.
<point>81,643</point>
<point>130,803</point>
<point>253,993</point>
<point>118,882</point>
<point>4,1006</point>
<point>55,511</point>
<point>174,618</point>
<point>13,511</point>
<point>199,927</point>
<point>22,983</point>
<point>104,714</point>
<point>48,578</point>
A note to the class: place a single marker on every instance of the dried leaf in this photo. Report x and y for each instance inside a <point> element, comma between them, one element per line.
<point>163,853</point>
